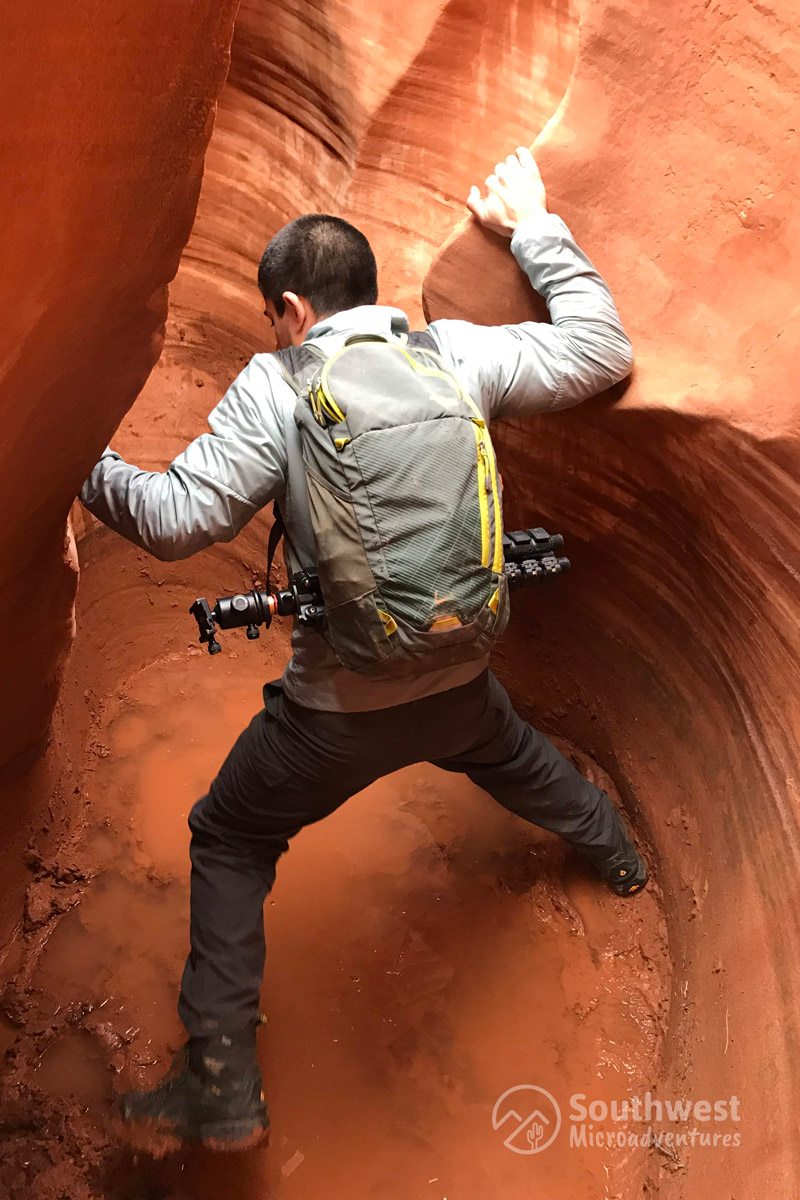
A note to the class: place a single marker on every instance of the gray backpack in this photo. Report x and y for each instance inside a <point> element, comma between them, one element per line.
<point>405,505</point>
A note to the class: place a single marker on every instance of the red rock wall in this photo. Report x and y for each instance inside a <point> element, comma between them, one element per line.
<point>107,110</point>
<point>673,646</point>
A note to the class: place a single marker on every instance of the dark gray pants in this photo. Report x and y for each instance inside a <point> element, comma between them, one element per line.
<point>293,765</point>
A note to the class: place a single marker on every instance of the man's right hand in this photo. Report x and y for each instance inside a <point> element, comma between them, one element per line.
<point>515,191</point>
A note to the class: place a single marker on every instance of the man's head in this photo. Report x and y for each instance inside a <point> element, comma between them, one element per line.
<point>315,266</point>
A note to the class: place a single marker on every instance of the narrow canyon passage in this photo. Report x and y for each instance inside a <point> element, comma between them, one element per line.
<point>425,953</point>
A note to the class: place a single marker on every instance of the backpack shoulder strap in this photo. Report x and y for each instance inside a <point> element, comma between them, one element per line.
<point>292,362</point>
<point>422,340</point>
<point>277,530</point>
<point>295,360</point>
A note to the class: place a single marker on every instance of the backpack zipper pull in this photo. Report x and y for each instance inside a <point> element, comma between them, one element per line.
<point>487,475</point>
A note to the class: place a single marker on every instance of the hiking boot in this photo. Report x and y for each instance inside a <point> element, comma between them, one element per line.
<point>211,1094</point>
<point>624,871</point>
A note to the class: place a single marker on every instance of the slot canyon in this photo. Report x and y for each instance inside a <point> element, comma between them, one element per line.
<point>426,952</point>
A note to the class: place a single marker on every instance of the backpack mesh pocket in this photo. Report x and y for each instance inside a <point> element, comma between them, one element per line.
<point>422,484</point>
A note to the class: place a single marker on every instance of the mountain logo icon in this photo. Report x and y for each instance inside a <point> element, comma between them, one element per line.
<point>529,1118</point>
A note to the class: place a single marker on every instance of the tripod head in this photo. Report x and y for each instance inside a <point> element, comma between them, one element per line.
<point>530,557</point>
<point>302,599</point>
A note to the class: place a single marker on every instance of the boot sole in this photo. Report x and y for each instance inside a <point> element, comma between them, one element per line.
<point>631,886</point>
<point>159,1138</point>
<point>149,1137</point>
<point>225,1136</point>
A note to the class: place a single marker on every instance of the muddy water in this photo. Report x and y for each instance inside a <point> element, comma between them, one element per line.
<point>427,952</point>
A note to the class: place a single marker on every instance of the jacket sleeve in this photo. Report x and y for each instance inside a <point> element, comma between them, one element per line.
<point>212,489</point>
<point>535,367</point>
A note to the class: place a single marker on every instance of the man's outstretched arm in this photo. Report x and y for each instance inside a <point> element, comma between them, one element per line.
<point>534,367</point>
<point>211,490</point>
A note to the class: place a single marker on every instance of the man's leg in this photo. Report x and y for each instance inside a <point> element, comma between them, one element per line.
<point>239,830</point>
<point>524,771</point>
<point>285,771</point>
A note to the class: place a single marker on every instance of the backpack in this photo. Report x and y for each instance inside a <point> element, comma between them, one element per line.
<point>405,505</point>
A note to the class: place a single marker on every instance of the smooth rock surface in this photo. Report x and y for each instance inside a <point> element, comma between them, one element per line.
<point>107,110</point>
<point>675,160</point>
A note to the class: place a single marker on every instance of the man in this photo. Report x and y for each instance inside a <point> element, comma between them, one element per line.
<point>325,732</point>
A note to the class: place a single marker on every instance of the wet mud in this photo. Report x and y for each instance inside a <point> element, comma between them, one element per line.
<point>427,951</point>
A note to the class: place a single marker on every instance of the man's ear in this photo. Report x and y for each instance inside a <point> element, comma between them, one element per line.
<point>299,312</point>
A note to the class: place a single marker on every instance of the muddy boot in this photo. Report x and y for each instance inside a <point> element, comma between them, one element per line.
<point>624,871</point>
<point>212,1094</point>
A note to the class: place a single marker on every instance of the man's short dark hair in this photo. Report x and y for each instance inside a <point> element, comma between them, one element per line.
<point>324,259</point>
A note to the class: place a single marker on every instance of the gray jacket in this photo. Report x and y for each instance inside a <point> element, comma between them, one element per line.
<point>252,456</point>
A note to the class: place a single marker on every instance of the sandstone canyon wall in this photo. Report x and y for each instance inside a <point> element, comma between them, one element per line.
<point>107,111</point>
<point>675,161</point>
<point>670,653</point>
